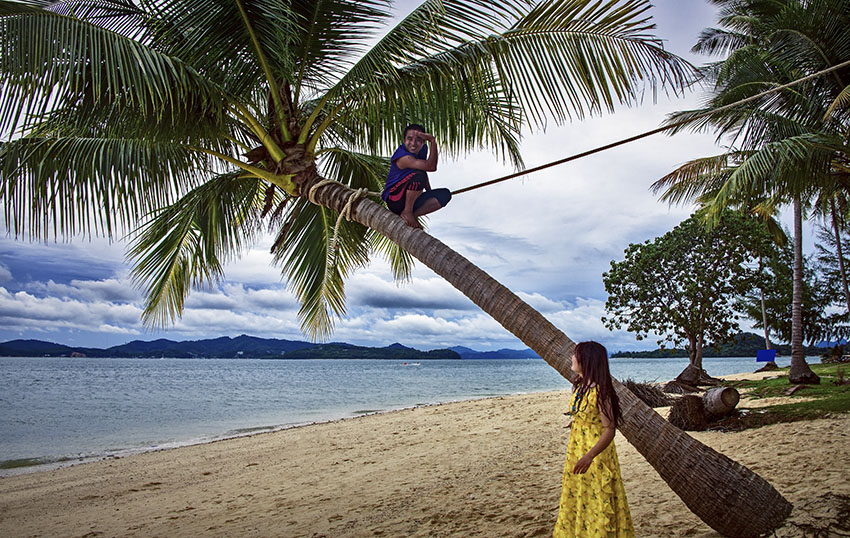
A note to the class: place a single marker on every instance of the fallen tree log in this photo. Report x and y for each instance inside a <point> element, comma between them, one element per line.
<point>720,401</point>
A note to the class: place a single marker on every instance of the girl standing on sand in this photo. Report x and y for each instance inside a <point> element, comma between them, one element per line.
<point>593,499</point>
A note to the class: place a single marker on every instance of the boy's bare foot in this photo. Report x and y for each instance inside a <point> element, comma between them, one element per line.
<point>411,220</point>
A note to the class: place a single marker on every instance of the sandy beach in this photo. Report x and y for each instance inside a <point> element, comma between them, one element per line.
<point>489,468</point>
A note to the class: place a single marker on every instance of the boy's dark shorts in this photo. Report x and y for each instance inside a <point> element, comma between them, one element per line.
<point>416,181</point>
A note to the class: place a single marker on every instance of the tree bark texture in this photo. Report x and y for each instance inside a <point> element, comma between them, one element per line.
<point>799,371</point>
<point>726,495</point>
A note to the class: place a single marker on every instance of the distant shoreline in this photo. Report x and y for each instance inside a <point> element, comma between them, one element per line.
<point>250,347</point>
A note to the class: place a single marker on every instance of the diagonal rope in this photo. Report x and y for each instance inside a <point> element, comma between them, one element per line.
<point>649,133</point>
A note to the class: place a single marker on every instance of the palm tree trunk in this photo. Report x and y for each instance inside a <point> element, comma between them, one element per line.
<point>770,365</point>
<point>764,321</point>
<point>727,496</point>
<point>799,371</point>
<point>841,267</point>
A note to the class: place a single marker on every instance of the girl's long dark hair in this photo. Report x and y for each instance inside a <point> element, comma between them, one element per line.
<point>593,359</point>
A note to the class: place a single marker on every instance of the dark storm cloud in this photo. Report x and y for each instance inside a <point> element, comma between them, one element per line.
<point>59,262</point>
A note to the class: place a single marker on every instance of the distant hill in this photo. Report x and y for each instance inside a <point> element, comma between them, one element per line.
<point>349,351</point>
<point>467,353</point>
<point>224,348</point>
<point>745,345</point>
<point>33,348</point>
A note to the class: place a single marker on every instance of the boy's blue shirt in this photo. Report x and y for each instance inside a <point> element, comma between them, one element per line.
<point>396,174</point>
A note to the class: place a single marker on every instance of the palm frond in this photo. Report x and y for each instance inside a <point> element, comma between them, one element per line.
<point>840,105</point>
<point>602,49</point>
<point>718,42</point>
<point>354,169</point>
<point>212,38</point>
<point>433,27</point>
<point>314,270</point>
<point>185,245</point>
<point>786,165</point>
<point>120,16</point>
<point>332,35</point>
<point>49,60</point>
<point>693,179</point>
<point>564,58</point>
<point>401,262</point>
<point>68,185</point>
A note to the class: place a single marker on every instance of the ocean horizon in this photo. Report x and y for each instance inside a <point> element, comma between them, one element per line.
<point>62,411</point>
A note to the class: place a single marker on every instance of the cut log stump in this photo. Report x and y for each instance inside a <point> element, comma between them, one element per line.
<point>720,401</point>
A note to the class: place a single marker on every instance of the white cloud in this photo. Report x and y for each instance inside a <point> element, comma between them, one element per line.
<point>374,290</point>
<point>110,290</point>
<point>23,310</point>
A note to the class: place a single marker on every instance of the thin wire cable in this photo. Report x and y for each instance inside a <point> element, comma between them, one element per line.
<point>648,133</point>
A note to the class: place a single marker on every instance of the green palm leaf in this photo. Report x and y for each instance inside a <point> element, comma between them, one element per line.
<point>49,60</point>
<point>401,262</point>
<point>602,48</point>
<point>314,269</point>
<point>694,179</point>
<point>186,244</point>
<point>67,185</point>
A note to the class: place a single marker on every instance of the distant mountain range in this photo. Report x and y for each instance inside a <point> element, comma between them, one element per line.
<point>745,345</point>
<point>251,347</point>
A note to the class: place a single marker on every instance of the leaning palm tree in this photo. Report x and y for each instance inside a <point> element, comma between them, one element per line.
<point>785,145</point>
<point>197,124</point>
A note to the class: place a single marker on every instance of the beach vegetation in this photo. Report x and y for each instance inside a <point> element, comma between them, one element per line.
<point>684,285</point>
<point>831,396</point>
<point>786,148</point>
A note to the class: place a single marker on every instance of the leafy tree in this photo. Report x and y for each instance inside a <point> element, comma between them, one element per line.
<point>684,285</point>
<point>196,124</point>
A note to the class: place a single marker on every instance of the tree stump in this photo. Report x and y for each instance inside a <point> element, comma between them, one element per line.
<point>720,401</point>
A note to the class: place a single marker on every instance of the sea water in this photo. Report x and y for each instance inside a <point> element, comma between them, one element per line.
<point>66,410</point>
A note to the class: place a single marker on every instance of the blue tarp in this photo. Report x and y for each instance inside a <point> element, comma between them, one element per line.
<point>765,355</point>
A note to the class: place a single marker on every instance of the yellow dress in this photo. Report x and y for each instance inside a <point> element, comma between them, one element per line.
<point>593,504</point>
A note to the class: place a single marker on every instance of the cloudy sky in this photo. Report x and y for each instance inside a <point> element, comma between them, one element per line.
<point>548,236</point>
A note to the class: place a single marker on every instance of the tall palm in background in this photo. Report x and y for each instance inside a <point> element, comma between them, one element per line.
<point>785,145</point>
<point>196,124</point>
<point>833,206</point>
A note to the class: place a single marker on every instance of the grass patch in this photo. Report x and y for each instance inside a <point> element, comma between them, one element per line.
<point>823,400</point>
